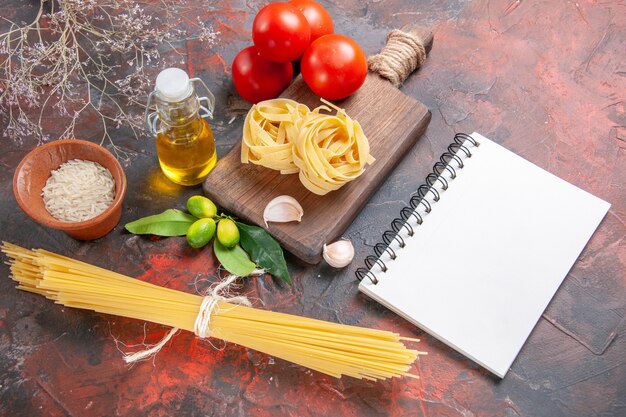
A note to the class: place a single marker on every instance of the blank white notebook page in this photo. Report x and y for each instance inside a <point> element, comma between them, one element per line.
<point>486,261</point>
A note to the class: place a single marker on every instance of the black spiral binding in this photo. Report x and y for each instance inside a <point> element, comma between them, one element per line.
<point>402,222</point>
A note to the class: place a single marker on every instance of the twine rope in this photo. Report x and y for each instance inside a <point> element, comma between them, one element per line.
<point>202,325</point>
<point>403,54</point>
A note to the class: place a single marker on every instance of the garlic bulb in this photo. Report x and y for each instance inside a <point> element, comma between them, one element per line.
<point>338,254</point>
<point>282,209</point>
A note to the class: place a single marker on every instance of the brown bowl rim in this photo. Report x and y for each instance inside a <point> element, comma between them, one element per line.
<point>57,224</point>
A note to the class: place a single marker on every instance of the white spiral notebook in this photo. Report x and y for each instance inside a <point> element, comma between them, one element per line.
<point>480,251</point>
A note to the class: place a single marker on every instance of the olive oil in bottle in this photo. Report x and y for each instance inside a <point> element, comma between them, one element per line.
<point>186,153</point>
<point>184,140</point>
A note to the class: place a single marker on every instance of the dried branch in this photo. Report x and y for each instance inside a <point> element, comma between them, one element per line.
<point>80,58</point>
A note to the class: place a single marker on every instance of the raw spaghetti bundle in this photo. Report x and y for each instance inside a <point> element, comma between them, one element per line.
<point>330,348</point>
<point>326,150</point>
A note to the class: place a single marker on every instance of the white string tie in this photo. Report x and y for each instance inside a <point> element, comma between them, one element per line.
<point>202,325</point>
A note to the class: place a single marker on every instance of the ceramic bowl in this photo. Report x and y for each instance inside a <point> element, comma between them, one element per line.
<point>34,170</point>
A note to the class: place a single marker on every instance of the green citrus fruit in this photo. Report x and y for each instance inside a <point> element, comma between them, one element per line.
<point>201,207</point>
<point>200,232</point>
<point>227,233</point>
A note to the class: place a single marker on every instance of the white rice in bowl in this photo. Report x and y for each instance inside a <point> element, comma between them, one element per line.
<point>78,190</point>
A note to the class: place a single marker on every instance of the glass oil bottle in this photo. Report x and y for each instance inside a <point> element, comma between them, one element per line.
<point>184,140</point>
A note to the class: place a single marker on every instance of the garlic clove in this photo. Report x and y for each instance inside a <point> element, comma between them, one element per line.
<point>282,209</point>
<point>338,254</point>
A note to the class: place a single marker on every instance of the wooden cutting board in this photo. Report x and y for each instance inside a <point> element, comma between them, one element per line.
<point>391,120</point>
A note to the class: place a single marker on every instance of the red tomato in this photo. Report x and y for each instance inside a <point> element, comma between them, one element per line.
<point>257,79</point>
<point>280,32</point>
<point>319,19</point>
<point>334,66</point>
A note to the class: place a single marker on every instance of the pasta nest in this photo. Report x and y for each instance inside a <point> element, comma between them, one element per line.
<point>327,151</point>
<point>267,131</point>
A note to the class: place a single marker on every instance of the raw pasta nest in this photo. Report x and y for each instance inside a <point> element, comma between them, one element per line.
<point>326,150</point>
<point>267,130</point>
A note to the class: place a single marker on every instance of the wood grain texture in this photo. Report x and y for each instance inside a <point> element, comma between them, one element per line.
<point>392,122</point>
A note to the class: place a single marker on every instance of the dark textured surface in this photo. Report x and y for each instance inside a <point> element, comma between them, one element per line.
<point>545,79</point>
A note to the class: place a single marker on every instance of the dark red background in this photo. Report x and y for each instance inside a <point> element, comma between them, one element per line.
<point>545,79</point>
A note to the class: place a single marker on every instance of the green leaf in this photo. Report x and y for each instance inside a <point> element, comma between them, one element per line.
<point>169,223</point>
<point>264,250</point>
<point>234,259</point>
